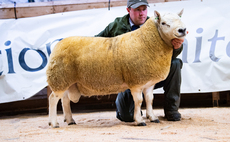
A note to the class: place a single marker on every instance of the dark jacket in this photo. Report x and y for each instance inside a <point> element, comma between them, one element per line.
<point>120,26</point>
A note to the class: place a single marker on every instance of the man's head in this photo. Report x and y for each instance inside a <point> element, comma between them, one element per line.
<point>137,10</point>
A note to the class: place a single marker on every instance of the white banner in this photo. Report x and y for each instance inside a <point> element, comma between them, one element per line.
<point>26,44</point>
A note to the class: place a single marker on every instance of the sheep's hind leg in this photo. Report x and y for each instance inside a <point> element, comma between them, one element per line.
<point>53,100</point>
<point>137,97</point>
<point>67,110</point>
<point>74,95</point>
<point>148,92</point>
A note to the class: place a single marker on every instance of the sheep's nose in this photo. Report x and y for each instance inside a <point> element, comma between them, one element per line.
<point>182,31</point>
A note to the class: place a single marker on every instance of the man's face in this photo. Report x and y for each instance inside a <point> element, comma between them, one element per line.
<point>138,15</point>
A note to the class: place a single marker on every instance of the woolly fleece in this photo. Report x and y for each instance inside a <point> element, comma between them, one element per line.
<point>100,66</point>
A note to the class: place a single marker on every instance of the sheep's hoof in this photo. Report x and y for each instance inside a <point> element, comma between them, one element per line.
<point>155,121</point>
<point>141,124</point>
<point>72,123</point>
<point>54,126</point>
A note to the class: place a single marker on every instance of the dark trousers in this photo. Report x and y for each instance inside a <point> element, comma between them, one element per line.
<point>171,85</point>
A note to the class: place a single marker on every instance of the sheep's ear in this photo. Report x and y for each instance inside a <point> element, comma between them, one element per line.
<point>157,16</point>
<point>181,12</point>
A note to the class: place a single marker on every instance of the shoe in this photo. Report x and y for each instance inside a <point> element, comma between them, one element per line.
<point>125,118</point>
<point>118,116</point>
<point>173,116</point>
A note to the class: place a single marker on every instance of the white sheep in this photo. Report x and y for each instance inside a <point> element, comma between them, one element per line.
<point>99,66</point>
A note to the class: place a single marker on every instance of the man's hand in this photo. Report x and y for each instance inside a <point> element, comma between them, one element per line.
<point>177,43</point>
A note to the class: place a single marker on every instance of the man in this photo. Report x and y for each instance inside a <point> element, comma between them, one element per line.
<point>136,17</point>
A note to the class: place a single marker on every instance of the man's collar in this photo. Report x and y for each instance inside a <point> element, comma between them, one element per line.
<point>131,23</point>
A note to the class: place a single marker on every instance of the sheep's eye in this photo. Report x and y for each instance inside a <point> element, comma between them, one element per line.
<point>164,24</point>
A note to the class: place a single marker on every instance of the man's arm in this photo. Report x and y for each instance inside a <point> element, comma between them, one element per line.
<point>105,32</point>
<point>119,26</point>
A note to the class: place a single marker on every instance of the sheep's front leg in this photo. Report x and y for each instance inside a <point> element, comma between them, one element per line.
<point>67,110</point>
<point>137,98</point>
<point>148,93</point>
<point>53,101</point>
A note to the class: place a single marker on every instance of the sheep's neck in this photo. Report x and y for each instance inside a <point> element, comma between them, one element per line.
<point>152,38</point>
<point>164,38</point>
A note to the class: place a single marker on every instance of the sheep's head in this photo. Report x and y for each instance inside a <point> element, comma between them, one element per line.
<point>170,26</point>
